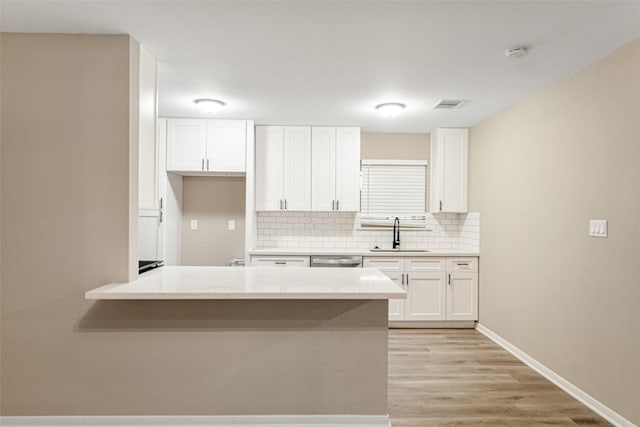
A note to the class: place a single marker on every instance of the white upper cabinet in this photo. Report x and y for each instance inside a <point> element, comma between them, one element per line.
<point>449,170</point>
<point>206,147</point>
<point>335,169</point>
<point>226,145</point>
<point>186,144</point>
<point>283,168</point>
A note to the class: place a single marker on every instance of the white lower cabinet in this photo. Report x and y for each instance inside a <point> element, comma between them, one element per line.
<point>280,261</point>
<point>438,289</point>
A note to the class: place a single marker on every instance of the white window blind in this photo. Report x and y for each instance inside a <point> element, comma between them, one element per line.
<point>393,188</point>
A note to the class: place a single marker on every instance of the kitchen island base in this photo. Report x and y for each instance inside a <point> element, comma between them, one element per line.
<point>241,357</point>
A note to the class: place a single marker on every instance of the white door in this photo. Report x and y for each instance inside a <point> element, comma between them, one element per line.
<point>462,296</point>
<point>186,144</point>
<point>269,167</point>
<point>393,268</point>
<point>348,169</point>
<point>226,145</point>
<point>455,163</point>
<point>297,168</point>
<point>323,168</point>
<point>396,306</point>
<point>426,296</point>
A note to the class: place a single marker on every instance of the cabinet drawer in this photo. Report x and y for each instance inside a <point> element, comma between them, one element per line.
<point>462,264</point>
<point>269,261</point>
<point>425,264</point>
<point>384,263</point>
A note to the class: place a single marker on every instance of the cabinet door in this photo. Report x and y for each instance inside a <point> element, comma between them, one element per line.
<point>269,167</point>
<point>348,169</point>
<point>462,296</point>
<point>426,296</point>
<point>396,306</point>
<point>450,163</point>
<point>297,168</point>
<point>323,168</point>
<point>186,144</point>
<point>226,145</point>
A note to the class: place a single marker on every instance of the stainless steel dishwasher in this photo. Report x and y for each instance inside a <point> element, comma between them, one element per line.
<point>336,261</point>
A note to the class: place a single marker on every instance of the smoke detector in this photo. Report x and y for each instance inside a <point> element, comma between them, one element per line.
<point>447,104</point>
<point>516,53</point>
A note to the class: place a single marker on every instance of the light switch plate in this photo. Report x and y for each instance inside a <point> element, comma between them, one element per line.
<point>231,225</point>
<point>598,228</point>
<point>194,224</point>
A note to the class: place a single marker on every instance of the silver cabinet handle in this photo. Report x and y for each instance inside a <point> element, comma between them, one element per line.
<point>337,205</point>
<point>440,205</point>
<point>161,202</point>
<point>203,163</point>
<point>449,280</point>
<point>402,279</point>
<point>207,164</point>
<point>462,263</point>
<point>160,222</point>
<point>333,205</point>
<point>280,263</point>
<point>285,204</point>
<point>281,204</point>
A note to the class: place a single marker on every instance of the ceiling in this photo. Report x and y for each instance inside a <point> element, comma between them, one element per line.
<point>331,62</point>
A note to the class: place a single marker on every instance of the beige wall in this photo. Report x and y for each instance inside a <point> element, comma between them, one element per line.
<point>213,202</point>
<point>69,206</point>
<point>395,146</point>
<point>69,190</point>
<point>538,172</point>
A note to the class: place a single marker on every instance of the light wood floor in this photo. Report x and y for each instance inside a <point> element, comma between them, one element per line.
<point>449,377</point>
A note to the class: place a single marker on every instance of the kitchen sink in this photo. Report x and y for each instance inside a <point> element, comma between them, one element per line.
<point>398,250</point>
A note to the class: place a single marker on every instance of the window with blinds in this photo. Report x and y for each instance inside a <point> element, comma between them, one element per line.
<point>393,188</point>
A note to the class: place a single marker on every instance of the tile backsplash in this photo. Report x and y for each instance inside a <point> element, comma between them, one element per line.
<point>338,230</point>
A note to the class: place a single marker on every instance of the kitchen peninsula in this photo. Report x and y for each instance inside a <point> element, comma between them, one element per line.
<point>307,342</point>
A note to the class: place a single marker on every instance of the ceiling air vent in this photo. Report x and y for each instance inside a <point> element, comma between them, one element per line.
<point>447,104</point>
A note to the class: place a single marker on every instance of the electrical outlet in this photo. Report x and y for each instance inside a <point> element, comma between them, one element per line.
<point>598,228</point>
<point>231,224</point>
<point>194,224</point>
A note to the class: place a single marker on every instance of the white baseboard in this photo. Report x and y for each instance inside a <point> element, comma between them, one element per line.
<point>600,408</point>
<point>432,324</point>
<point>202,421</point>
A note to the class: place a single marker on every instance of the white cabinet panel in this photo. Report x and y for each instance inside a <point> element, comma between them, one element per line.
<point>396,306</point>
<point>285,261</point>
<point>323,168</point>
<point>335,168</point>
<point>347,169</point>
<point>384,264</point>
<point>425,264</point>
<point>468,264</point>
<point>206,146</point>
<point>449,170</point>
<point>283,168</point>
<point>226,145</point>
<point>297,168</point>
<point>426,299</point>
<point>186,144</point>
<point>437,288</point>
<point>462,296</point>
<point>269,167</point>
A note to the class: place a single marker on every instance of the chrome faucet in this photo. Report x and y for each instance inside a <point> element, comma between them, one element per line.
<point>396,233</point>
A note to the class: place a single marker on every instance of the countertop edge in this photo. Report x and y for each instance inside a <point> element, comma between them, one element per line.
<point>358,252</point>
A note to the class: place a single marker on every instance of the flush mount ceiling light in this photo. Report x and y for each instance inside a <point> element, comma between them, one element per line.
<point>210,105</point>
<point>390,109</point>
<point>516,53</point>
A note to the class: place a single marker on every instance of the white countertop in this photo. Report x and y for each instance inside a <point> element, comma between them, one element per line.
<point>361,252</point>
<point>190,283</point>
